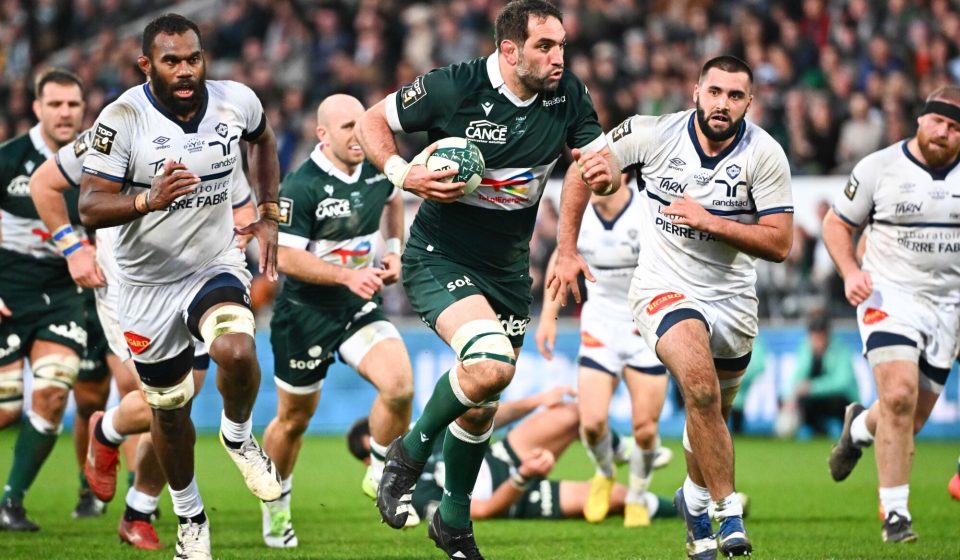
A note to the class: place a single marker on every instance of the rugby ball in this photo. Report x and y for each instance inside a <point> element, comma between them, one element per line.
<point>462,155</point>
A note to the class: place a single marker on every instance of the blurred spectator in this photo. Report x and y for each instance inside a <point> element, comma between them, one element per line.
<point>823,382</point>
<point>860,134</point>
<point>758,364</point>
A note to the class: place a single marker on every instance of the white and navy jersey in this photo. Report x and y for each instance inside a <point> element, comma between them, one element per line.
<point>132,139</point>
<point>914,220</point>
<point>749,179</point>
<point>70,161</point>
<point>611,249</point>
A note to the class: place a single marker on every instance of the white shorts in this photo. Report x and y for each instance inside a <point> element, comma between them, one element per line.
<point>154,318</point>
<point>899,325</point>
<point>610,345</point>
<point>731,322</point>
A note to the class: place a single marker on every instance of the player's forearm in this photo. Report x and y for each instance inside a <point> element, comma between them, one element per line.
<point>392,221</point>
<point>770,242</point>
<point>551,307</point>
<point>838,239</point>
<point>47,197</point>
<point>100,209</point>
<point>265,167</point>
<point>510,411</point>
<point>306,267</point>
<point>499,503</point>
<point>374,135</point>
<point>574,197</point>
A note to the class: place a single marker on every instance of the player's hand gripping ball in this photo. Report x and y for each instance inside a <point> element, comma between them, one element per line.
<point>462,155</point>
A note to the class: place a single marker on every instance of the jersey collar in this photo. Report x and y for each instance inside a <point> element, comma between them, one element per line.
<point>38,144</point>
<point>710,162</point>
<point>188,127</point>
<point>496,80</point>
<point>935,174</point>
<point>329,168</point>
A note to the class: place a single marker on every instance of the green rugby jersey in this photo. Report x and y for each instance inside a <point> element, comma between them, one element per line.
<point>521,142</point>
<point>29,258</point>
<point>335,217</point>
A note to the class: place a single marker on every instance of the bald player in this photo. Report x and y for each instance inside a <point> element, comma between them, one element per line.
<point>331,210</point>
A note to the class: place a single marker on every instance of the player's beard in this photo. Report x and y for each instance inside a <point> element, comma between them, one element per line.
<point>533,81</point>
<point>936,154</point>
<point>176,105</point>
<point>717,135</point>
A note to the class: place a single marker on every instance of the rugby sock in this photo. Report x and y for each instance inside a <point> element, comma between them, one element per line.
<point>106,433</point>
<point>859,433</point>
<point>84,485</point>
<point>641,472</point>
<point>377,453</point>
<point>34,444</point>
<point>696,497</point>
<point>140,505</point>
<point>286,487</point>
<point>729,507</point>
<point>187,503</point>
<point>463,454</point>
<point>601,453</point>
<point>660,507</point>
<point>234,434</point>
<point>895,500</point>
<point>131,478</point>
<point>443,408</point>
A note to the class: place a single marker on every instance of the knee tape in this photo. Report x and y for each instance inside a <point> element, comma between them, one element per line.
<point>169,398</point>
<point>55,370</point>
<point>226,319</point>
<point>11,389</point>
<point>43,425</point>
<point>728,391</point>
<point>483,339</point>
<point>686,439</point>
<point>895,353</point>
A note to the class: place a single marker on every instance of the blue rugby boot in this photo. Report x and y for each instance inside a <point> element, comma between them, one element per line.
<point>701,542</point>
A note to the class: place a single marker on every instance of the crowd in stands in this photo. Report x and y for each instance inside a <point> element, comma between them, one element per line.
<point>834,79</point>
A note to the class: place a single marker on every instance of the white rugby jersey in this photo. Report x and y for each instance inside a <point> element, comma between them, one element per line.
<point>132,139</point>
<point>70,158</point>
<point>611,249</point>
<point>914,220</point>
<point>749,179</point>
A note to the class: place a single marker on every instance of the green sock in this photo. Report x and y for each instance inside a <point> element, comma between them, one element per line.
<point>665,508</point>
<point>84,486</point>
<point>442,408</point>
<point>462,460</point>
<point>131,477</point>
<point>29,453</point>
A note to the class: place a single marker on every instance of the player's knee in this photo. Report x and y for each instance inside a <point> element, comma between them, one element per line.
<point>11,396</point>
<point>173,397</point>
<point>50,402</point>
<point>493,376</point>
<point>900,399</point>
<point>56,371</point>
<point>477,420</point>
<point>398,392</point>
<point>486,353</point>
<point>171,422</point>
<point>702,395</point>
<point>593,426</point>
<point>227,319</point>
<point>645,433</point>
<point>234,353</point>
<point>293,423</point>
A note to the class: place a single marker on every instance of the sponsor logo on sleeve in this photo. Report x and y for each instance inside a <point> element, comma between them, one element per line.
<point>81,144</point>
<point>137,343</point>
<point>624,129</point>
<point>851,189</point>
<point>103,138</point>
<point>663,300</point>
<point>410,94</point>
<point>873,315</point>
<point>286,211</point>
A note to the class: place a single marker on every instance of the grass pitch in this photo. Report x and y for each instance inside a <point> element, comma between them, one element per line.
<point>797,511</point>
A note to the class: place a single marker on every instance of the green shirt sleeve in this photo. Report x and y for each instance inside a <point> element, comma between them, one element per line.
<point>584,127</point>
<point>429,101</point>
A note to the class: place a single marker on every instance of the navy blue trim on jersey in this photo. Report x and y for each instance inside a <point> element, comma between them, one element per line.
<point>936,174</point>
<point>776,210</point>
<point>920,224</point>
<point>64,172</point>
<point>255,133</point>
<point>213,176</point>
<point>650,370</point>
<point>710,162</point>
<point>657,198</point>
<point>242,202</point>
<point>882,339</point>
<point>609,225</point>
<point>845,219</point>
<point>715,212</point>
<point>222,288</point>
<point>202,361</point>
<point>188,127</point>
<point>593,364</point>
<point>103,175</point>
<point>935,374</point>
<point>165,373</point>
<point>677,315</point>
<point>733,364</point>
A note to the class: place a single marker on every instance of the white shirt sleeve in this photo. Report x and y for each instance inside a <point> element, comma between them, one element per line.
<point>111,146</point>
<point>240,190</point>
<point>631,140</point>
<point>855,204</point>
<point>770,185</point>
<point>70,157</point>
<point>251,110</point>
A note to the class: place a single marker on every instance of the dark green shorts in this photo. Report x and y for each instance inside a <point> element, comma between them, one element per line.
<point>541,499</point>
<point>434,283</point>
<point>304,338</point>
<point>55,316</point>
<point>93,364</point>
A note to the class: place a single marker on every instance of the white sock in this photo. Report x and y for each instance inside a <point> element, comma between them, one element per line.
<point>895,500</point>
<point>144,503</point>
<point>377,454</point>
<point>286,488</point>
<point>109,431</point>
<point>641,473</point>
<point>602,454</point>
<point>187,502</point>
<point>696,497</point>
<point>859,433</point>
<point>652,503</point>
<point>233,431</point>
<point>729,507</point>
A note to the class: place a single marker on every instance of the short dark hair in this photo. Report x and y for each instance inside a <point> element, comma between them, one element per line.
<point>56,76</point>
<point>514,19</point>
<point>168,24</point>
<point>727,63</point>
<point>359,430</point>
